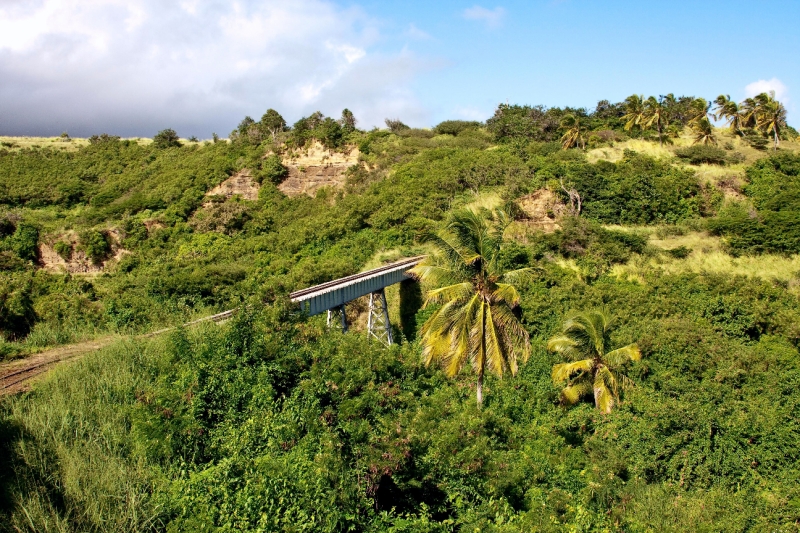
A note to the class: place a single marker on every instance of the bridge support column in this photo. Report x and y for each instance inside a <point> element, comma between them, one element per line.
<point>337,318</point>
<point>378,324</point>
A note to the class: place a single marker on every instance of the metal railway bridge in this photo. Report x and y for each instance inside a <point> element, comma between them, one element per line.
<point>333,295</point>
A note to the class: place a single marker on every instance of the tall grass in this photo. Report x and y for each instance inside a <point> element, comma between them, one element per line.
<point>71,461</point>
<point>706,255</point>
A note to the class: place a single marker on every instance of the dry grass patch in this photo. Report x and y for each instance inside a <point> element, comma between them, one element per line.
<point>705,254</point>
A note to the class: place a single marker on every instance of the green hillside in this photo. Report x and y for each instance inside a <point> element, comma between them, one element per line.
<point>686,233</point>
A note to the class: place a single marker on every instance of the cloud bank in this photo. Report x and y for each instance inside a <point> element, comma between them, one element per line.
<point>765,86</point>
<point>133,67</point>
<point>493,18</point>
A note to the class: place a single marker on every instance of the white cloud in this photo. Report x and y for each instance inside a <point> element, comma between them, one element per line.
<point>492,17</point>
<point>416,33</point>
<point>765,86</point>
<point>133,67</point>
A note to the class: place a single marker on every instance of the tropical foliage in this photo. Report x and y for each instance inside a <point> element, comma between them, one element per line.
<point>269,422</point>
<point>475,322</point>
<point>591,370</point>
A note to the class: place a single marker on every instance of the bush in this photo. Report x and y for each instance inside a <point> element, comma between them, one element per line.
<point>17,315</point>
<point>167,138</point>
<point>25,242</point>
<point>95,244</point>
<point>395,125</point>
<point>272,170</point>
<point>636,190</point>
<point>454,127</point>
<point>756,140</point>
<point>103,138</point>
<point>774,225</point>
<point>64,249</point>
<point>681,252</point>
<point>699,154</point>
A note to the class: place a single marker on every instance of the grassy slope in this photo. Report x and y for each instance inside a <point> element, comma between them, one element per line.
<point>252,425</point>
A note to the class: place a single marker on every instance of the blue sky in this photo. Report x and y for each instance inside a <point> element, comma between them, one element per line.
<point>134,67</point>
<point>574,52</point>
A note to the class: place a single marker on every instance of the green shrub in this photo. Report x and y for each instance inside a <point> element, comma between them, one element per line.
<point>699,153</point>
<point>774,225</point>
<point>636,190</point>
<point>17,315</point>
<point>455,127</point>
<point>272,170</point>
<point>756,140</point>
<point>166,139</point>
<point>95,244</point>
<point>681,252</point>
<point>63,249</point>
<point>25,242</point>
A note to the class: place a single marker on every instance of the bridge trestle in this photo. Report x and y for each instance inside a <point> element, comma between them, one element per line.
<point>337,318</point>
<point>378,324</point>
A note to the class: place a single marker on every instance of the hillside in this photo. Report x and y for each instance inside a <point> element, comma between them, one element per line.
<point>270,422</point>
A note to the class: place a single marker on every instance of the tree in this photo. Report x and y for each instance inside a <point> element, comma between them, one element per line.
<point>573,136</point>
<point>476,321</point>
<point>634,111</point>
<point>348,121</point>
<point>272,123</point>
<point>770,116</point>
<point>704,132</point>
<point>654,114</point>
<point>729,110</point>
<point>698,111</point>
<point>166,139</point>
<point>591,370</point>
<point>395,125</point>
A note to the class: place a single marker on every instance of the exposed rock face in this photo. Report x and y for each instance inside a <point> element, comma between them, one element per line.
<point>542,208</point>
<point>241,184</point>
<point>78,262</point>
<point>316,167</point>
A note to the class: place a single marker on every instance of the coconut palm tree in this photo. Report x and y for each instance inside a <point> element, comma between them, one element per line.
<point>634,110</point>
<point>704,132</point>
<point>591,369</point>
<point>770,116</point>
<point>729,110</point>
<point>698,111</point>
<point>655,115</point>
<point>748,109</point>
<point>476,323</point>
<point>573,136</point>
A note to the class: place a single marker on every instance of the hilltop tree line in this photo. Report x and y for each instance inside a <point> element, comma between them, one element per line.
<point>758,120</point>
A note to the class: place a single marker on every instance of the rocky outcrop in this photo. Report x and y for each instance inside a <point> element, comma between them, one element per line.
<point>542,209</point>
<point>315,167</point>
<point>241,184</point>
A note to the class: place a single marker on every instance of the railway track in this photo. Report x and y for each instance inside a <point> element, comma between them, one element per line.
<point>17,376</point>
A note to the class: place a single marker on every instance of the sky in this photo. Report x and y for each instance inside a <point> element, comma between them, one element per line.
<point>135,67</point>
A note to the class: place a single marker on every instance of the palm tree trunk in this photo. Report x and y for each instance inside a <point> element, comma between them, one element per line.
<point>777,141</point>
<point>482,362</point>
<point>480,390</point>
<point>660,142</point>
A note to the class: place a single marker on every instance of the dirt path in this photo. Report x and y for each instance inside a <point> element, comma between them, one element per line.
<point>17,376</point>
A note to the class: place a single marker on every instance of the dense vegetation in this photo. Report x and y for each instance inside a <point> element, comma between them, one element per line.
<point>272,423</point>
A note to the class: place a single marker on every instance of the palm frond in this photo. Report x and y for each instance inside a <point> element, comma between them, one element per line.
<point>571,394</point>
<point>514,337</point>
<point>620,356</point>
<point>564,371</point>
<point>458,292</point>
<point>604,388</point>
